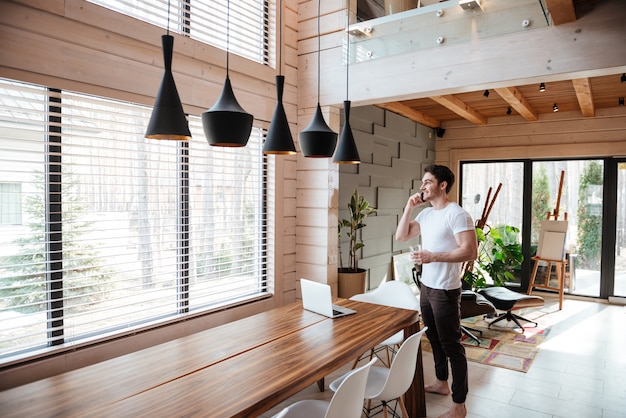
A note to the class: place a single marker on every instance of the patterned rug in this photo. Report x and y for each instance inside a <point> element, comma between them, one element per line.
<point>501,346</point>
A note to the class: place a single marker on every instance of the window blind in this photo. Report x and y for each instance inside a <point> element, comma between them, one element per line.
<point>247,24</point>
<point>118,231</point>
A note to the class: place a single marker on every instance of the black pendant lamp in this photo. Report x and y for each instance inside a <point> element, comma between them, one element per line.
<point>317,140</point>
<point>279,139</point>
<point>226,124</point>
<point>168,120</point>
<point>347,152</point>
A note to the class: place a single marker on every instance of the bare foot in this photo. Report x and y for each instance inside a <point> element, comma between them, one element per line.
<point>440,386</point>
<point>457,411</point>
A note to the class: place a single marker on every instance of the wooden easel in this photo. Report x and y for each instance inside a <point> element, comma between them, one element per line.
<point>480,223</point>
<point>552,235</point>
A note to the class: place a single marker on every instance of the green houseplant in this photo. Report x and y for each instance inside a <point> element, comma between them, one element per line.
<point>499,255</point>
<point>358,209</point>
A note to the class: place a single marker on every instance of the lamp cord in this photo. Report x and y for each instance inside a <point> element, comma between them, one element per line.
<point>347,49</point>
<point>280,37</point>
<point>168,17</point>
<point>227,34</point>
<point>319,46</point>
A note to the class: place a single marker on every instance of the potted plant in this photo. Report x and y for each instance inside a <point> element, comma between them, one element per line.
<point>499,255</point>
<point>351,277</point>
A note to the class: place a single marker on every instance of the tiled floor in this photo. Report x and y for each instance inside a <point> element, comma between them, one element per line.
<point>580,371</point>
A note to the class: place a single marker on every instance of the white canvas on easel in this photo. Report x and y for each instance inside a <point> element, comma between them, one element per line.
<point>553,245</point>
<point>552,240</point>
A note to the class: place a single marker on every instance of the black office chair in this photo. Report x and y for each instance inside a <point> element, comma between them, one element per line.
<point>474,304</point>
<point>507,300</point>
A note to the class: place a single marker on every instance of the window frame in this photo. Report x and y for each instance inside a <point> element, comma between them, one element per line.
<point>53,177</point>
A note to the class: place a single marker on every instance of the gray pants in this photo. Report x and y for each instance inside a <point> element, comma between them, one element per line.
<point>441,313</point>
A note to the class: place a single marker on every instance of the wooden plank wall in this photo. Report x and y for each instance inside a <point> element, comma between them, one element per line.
<point>317,184</point>
<point>79,46</point>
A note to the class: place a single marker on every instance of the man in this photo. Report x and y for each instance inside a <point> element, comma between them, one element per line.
<point>448,239</point>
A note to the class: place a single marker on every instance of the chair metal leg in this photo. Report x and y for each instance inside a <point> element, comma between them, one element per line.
<point>372,351</point>
<point>510,316</point>
<point>468,331</point>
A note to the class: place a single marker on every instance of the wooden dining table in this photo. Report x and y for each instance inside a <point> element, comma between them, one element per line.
<point>239,369</point>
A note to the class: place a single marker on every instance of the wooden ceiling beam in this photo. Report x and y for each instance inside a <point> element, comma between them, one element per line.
<point>582,86</point>
<point>460,108</point>
<point>562,11</point>
<point>515,99</point>
<point>414,115</point>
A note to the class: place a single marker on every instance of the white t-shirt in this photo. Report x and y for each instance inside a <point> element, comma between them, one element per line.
<point>438,228</point>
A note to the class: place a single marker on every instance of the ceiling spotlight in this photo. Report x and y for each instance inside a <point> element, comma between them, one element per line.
<point>508,111</point>
<point>555,108</point>
<point>620,101</point>
<point>542,87</point>
<point>486,93</point>
<point>623,78</point>
<point>470,4</point>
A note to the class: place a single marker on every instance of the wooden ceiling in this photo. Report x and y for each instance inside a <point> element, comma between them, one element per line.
<point>585,95</point>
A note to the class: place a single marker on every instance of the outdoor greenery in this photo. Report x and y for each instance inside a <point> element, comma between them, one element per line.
<point>84,281</point>
<point>499,255</point>
<point>359,209</point>
<point>540,202</point>
<point>590,217</point>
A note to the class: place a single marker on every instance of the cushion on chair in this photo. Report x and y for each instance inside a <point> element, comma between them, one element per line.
<point>474,304</point>
<point>507,300</point>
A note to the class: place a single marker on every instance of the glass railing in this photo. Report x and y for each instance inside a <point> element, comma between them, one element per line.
<point>441,24</point>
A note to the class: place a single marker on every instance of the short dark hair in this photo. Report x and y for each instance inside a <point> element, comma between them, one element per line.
<point>441,173</point>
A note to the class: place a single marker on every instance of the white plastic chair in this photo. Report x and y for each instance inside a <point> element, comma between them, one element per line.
<point>398,295</point>
<point>347,402</point>
<point>389,384</point>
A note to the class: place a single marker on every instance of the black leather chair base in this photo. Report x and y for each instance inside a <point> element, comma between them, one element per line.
<point>507,300</point>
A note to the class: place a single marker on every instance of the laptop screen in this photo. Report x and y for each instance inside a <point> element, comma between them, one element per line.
<point>317,297</point>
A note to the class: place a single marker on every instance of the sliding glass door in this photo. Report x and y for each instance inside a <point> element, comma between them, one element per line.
<point>620,233</point>
<point>589,194</point>
<point>572,191</point>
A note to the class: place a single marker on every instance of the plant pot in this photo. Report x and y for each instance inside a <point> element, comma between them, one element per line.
<point>351,283</point>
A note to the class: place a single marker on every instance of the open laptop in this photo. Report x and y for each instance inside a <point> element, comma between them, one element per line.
<point>316,297</point>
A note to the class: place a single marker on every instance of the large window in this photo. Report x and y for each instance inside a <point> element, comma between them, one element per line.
<point>588,193</point>
<point>248,21</point>
<point>495,190</point>
<point>581,204</point>
<point>117,231</point>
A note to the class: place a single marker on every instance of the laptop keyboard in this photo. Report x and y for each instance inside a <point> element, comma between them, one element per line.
<point>336,312</point>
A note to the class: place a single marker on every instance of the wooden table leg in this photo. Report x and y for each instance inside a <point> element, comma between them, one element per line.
<point>415,397</point>
<point>320,384</point>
